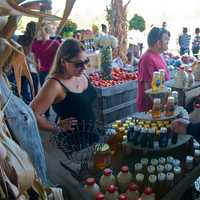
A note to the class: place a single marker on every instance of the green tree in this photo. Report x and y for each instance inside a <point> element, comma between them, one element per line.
<point>137,23</point>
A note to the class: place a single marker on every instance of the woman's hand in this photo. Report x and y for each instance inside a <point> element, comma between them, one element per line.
<point>68,124</point>
<point>179,126</point>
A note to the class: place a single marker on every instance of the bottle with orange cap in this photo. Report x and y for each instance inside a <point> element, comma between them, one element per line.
<point>133,191</point>
<point>91,187</point>
<point>106,179</point>
<point>124,178</point>
<point>111,193</point>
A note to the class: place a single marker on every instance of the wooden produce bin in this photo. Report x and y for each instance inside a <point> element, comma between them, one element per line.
<point>185,95</point>
<point>116,102</point>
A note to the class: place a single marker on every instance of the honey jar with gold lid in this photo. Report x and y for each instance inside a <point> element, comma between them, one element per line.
<point>103,156</point>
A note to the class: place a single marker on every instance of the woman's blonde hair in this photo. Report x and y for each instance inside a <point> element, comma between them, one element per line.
<point>69,49</point>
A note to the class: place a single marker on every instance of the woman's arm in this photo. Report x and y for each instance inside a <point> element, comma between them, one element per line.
<point>40,104</point>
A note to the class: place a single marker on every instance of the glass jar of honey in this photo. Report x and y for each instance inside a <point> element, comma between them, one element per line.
<point>103,156</point>
<point>156,109</point>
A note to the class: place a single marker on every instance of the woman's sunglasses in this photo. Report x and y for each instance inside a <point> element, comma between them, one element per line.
<point>80,64</point>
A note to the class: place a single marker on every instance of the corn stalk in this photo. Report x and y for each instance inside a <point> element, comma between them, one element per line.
<point>118,26</point>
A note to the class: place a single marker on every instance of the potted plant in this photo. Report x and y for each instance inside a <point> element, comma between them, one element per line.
<point>69,29</point>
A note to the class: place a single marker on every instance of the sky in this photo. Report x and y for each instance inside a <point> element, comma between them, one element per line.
<point>177,14</point>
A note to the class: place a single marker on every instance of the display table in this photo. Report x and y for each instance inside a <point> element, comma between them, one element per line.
<point>185,94</point>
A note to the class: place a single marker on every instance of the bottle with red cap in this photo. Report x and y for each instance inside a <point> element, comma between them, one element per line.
<point>124,178</point>
<point>148,194</point>
<point>195,115</point>
<point>100,196</point>
<point>133,191</point>
<point>123,197</point>
<point>106,179</point>
<point>112,193</point>
<point>91,187</point>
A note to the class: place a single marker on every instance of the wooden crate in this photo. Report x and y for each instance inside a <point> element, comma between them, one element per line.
<point>185,95</point>
<point>116,102</point>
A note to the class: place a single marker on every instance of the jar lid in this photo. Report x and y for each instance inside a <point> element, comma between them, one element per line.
<point>176,162</point>
<point>197,152</point>
<point>112,188</point>
<point>148,190</point>
<point>161,70</point>
<point>170,159</point>
<point>118,121</point>
<point>163,130</point>
<point>133,187</point>
<point>124,169</point>
<point>152,178</point>
<point>189,159</point>
<point>161,176</point>
<point>151,169</point>
<point>138,166</point>
<point>152,130</point>
<point>160,168</point>
<point>156,73</point>
<point>144,161</point>
<point>137,128</point>
<point>170,99</point>
<point>157,100</point>
<point>129,118</point>
<point>121,129</point>
<point>123,197</point>
<point>104,148</point>
<point>177,170</point>
<point>197,105</point>
<point>174,93</point>
<point>107,172</point>
<point>169,90</point>
<point>154,162</point>
<point>170,176</point>
<point>162,160</point>
<point>100,196</point>
<point>139,177</point>
<point>196,145</point>
<point>90,181</point>
<point>168,167</point>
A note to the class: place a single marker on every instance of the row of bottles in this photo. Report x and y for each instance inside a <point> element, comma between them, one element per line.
<point>160,174</point>
<point>128,189</point>
<point>149,138</point>
<point>183,78</point>
<point>131,194</point>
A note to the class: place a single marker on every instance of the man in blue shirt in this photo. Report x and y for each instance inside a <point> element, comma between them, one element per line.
<point>184,42</point>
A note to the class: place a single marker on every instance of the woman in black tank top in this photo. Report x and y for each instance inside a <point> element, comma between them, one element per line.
<point>68,90</point>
